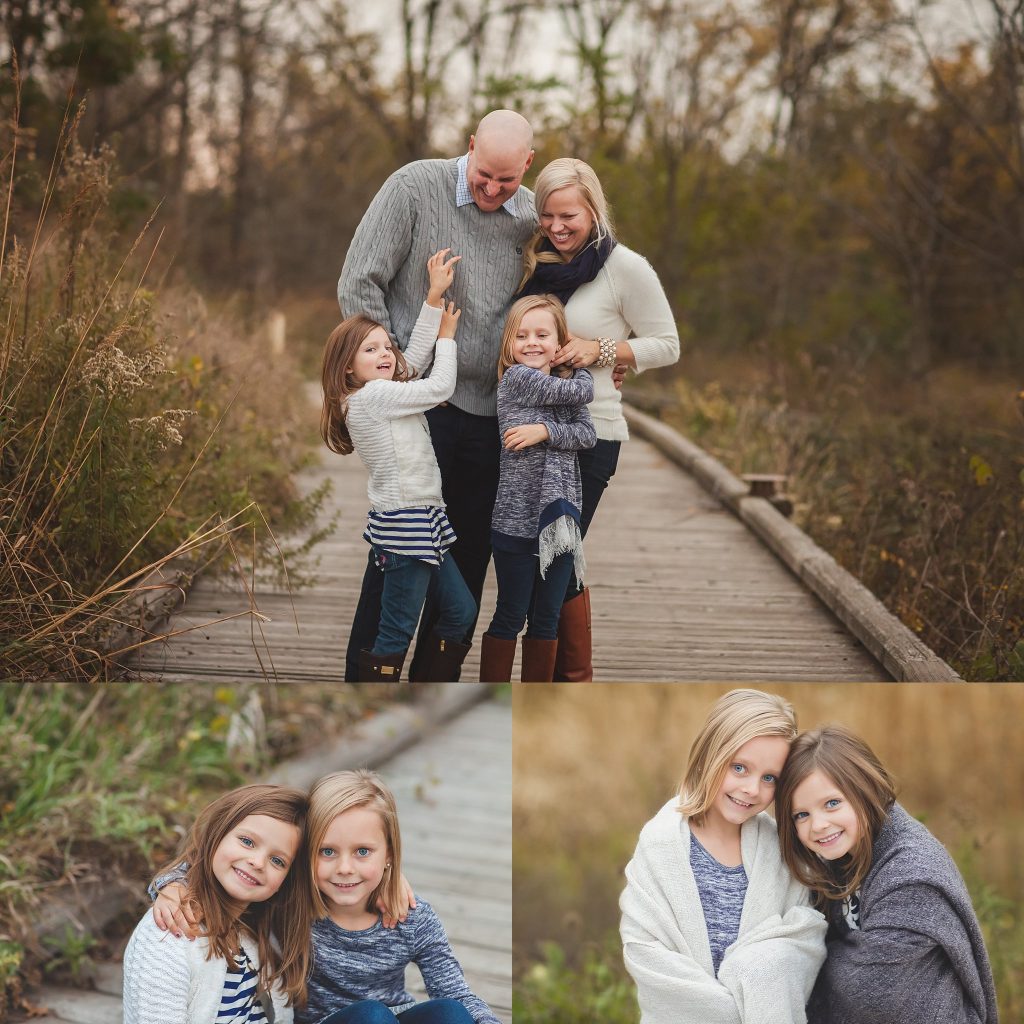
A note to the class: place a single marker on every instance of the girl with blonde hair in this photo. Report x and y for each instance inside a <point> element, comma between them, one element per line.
<point>903,939</point>
<point>715,929</point>
<point>536,540</point>
<point>358,974</point>
<point>619,318</point>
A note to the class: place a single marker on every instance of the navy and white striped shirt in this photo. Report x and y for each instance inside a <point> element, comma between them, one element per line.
<point>421,532</point>
<point>238,1004</point>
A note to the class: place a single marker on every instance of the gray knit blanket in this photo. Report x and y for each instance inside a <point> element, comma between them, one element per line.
<point>919,956</point>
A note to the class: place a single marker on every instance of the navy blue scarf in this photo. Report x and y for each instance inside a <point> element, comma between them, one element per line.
<point>562,279</point>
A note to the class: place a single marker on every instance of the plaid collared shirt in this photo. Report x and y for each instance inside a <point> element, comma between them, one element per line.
<point>463,197</point>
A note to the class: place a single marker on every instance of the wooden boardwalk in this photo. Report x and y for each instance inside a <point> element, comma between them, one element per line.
<point>681,591</point>
<point>454,793</point>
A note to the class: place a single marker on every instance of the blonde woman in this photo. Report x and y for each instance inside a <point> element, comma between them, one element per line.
<point>618,315</point>
<point>715,929</point>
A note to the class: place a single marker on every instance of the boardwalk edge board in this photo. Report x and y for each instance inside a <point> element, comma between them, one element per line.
<point>903,655</point>
<point>90,906</point>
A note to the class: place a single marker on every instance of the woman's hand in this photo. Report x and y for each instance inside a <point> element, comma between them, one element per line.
<point>389,920</point>
<point>449,320</point>
<point>171,916</point>
<point>526,435</point>
<point>578,352</point>
<point>442,273</point>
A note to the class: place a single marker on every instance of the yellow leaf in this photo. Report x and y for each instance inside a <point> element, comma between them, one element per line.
<point>982,471</point>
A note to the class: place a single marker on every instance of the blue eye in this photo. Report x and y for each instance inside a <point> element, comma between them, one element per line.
<point>738,769</point>
<point>770,778</point>
<point>327,851</point>
<point>246,841</point>
<point>832,804</point>
<point>800,815</point>
<point>278,862</point>
<point>363,851</point>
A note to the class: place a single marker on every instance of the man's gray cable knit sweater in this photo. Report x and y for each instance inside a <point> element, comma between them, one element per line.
<point>919,956</point>
<point>384,276</point>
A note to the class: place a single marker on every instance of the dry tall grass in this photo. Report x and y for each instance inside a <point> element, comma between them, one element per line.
<point>131,437</point>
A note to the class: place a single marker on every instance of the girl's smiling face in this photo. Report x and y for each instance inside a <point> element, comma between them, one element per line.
<point>825,821</point>
<point>536,341</point>
<point>252,860</point>
<point>375,359</point>
<point>351,861</point>
<point>750,779</point>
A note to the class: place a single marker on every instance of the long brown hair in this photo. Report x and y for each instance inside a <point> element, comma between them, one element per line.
<point>337,383</point>
<point>566,172</point>
<point>735,718</point>
<point>515,317</point>
<point>339,792</point>
<point>857,773</point>
<point>280,925</point>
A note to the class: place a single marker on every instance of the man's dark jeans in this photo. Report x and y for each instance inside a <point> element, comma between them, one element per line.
<point>467,450</point>
<point>597,467</point>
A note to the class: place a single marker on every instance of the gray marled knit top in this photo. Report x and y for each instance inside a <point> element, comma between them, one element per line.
<point>385,273</point>
<point>722,891</point>
<point>370,964</point>
<point>540,485</point>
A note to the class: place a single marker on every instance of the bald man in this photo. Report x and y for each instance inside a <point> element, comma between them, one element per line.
<point>476,205</point>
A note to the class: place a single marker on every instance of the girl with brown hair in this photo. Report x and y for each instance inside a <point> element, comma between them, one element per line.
<point>373,406</point>
<point>903,941</point>
<point>250,964</point>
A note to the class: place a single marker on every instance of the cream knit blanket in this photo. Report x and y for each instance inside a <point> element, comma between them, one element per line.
<point>766,976</point>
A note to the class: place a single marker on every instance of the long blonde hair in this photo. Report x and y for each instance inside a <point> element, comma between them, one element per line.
<point>519,309</point>
<point>857,773</point>
<point>566,172</point>
<point>738,717</point>
<point>337,383</point>
<point>280,925</point>
<point>339,792</point>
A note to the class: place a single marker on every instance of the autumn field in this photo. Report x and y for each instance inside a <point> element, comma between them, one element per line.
<point>592,764</point>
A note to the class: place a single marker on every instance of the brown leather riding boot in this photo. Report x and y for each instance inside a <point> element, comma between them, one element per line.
<point>442,660</point>
<point>574,662</point>
<point>380,668</point>
<point>538,660</point>
<point>496,657</point>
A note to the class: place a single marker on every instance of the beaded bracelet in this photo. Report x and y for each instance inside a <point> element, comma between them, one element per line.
<point>606,348</point>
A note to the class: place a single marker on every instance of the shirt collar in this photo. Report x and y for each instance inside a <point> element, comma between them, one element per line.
<point>463,196</point>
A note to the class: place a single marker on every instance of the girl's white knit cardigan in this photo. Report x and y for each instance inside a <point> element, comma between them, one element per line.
<point>170,981</point>
<point>767,974</point>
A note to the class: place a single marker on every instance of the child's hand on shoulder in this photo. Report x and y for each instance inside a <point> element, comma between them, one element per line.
<point>449,321</point>
<point>442,274</point>
<point>171,915</point>
<point>525,436</point>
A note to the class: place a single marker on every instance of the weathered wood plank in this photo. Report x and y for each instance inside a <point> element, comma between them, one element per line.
<point>681,590</point>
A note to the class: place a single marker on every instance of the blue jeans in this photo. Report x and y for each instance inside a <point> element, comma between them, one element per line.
<point>597,467</point>
<point>433,1011</point>
<point>523,596</point>
<point>407,583</point>
<point>467,449</point>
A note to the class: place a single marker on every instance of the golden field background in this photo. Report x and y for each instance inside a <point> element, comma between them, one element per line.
<point>592,763</point>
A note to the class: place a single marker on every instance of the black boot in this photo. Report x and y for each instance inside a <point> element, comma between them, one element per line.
<point>441,660</point>
<point>380,668</point>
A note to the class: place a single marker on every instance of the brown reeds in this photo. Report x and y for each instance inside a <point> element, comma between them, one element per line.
<point>116,477</point>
